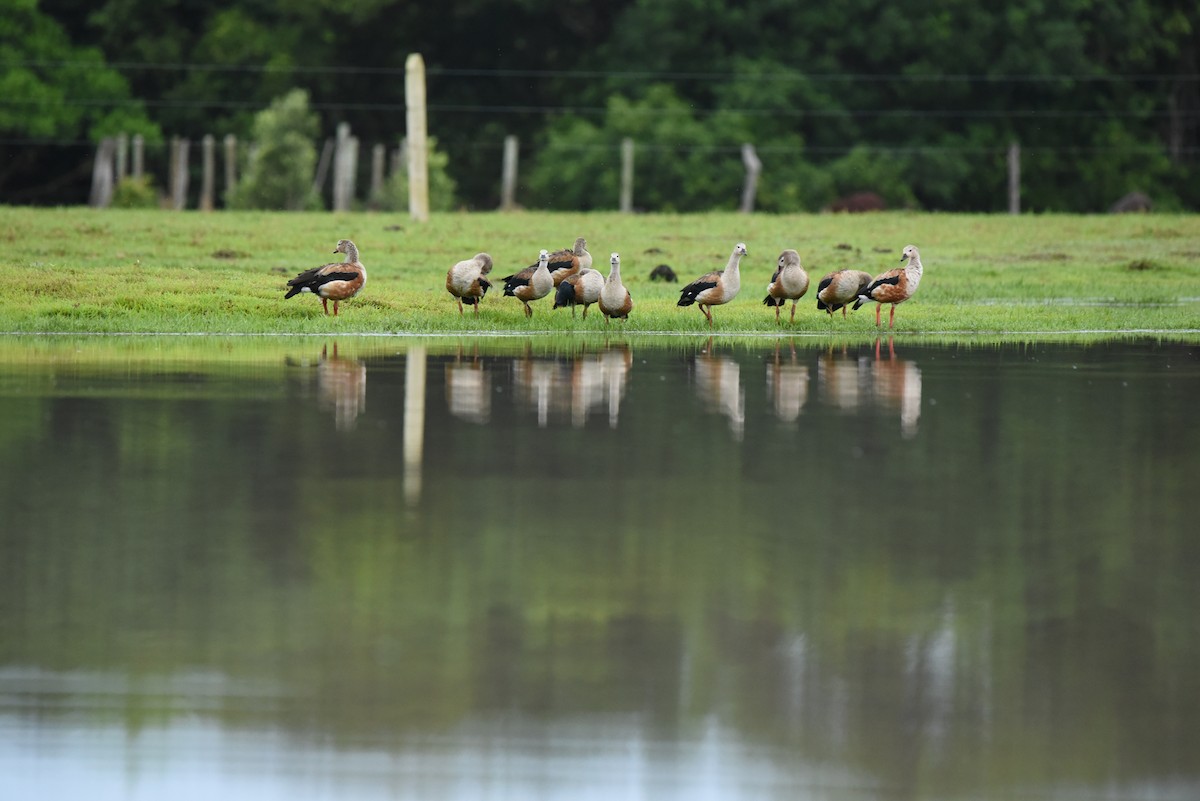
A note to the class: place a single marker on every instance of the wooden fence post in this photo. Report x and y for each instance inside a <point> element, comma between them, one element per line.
<point>179,178</point>
<point>102,174</point>
<point>753,169</point>
<point>508,174</point>
<point>1014,178</point>
<point>230,167</point>
<point>139,155</point>
<point>208,162</point>
<point>378,154</point>
<point>626,200</point>
<point>418,155</point>
<point>122,156</point>
<point>345,164</point>
<point>323,163</point>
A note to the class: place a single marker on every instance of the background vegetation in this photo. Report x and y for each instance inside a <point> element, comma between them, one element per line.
<point>917,101</point>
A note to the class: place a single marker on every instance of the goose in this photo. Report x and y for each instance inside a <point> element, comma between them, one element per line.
<point>569,261</point>
<point>894,286</point>
<point>581,289</point>
<point>337,281</point>
<point>789,282</point>
<point>466,283</point>
<point>839,288</point>
<point>614,298</point>
<point>717,287</point>
<point>531,283</point>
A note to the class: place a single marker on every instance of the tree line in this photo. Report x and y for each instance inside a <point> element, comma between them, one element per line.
<point>917,101</point>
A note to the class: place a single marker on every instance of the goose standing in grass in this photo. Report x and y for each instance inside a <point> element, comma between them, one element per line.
<point>581,289</point>
<point>337,281</point>
<point>531,283</point>
<point>838,289</point>
<point>789,282</point>
<point>614,298</point>
<point>569,261</point>
<point>466,283</point>
<point>717,287</point>
<point>894,286</point>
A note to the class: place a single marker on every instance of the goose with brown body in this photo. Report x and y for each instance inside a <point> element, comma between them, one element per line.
<point>717,287</point>
<point>894,286</point>
<point>569,261</point>
<point>466,283</point>
<point>615,301</point>
<point>582,289</point>
<point>532,283</point>
<point>789,282</point>
<point>337,281</point>
<point>838,289</point>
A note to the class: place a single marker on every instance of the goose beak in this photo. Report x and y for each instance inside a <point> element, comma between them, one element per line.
<point>903,257</point>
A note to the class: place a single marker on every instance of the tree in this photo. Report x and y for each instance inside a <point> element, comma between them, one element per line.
<point>280,174</point>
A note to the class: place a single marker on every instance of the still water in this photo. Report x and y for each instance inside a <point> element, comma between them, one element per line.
<point>672,569</point>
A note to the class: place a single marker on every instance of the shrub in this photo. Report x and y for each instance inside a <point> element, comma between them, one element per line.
<point>280,174</point>
<point>135,193</point>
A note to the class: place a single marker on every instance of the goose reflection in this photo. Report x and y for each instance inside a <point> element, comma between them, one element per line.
<point>896,386</point>
<point>787,384</point>
<point>842,379</point>
<point>719,386</point>
<point>588,384</point>
<point>469,390</point>
<point>342,387</point>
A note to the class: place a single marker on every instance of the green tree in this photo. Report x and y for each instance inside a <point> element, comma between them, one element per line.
<point>280,174</point>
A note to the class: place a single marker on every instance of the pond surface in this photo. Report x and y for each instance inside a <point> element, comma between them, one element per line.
<point>293,569</point>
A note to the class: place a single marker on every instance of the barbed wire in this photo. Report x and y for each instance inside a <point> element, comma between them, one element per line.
<point>501,72</point>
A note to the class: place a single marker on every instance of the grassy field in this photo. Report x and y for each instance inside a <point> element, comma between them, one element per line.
<point>88,271</point>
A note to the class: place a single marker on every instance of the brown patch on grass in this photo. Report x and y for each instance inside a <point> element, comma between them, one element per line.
<point>1050,256</point>
<point>1142,265</point>
<point>223,253</point>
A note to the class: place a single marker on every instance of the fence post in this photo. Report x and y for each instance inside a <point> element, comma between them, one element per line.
<point>230,167</point>
<point>378,153</point>
<point>508,174</point>
<point>139,155</point>
<point>122,156</point>
<point>1014,178</point>
<point>102,174</point>
<point>753,168</point>
<point>344,164</point>
<point>179,178</point>
<point>208,176</point>
<point>418,165</point>
<point>626,200</point>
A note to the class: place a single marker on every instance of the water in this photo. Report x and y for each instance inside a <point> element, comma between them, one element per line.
<point>292,569</point>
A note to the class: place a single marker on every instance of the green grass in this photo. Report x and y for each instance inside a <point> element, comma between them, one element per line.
<point>88,271</point>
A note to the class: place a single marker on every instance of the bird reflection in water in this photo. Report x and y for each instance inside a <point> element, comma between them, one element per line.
<point>469,388</point>
<point>850,381</point>
<point>341,386</point>
<point>787,384</point>
<point>896,386</point>
<point>719,386</point>
<point>589,383</point>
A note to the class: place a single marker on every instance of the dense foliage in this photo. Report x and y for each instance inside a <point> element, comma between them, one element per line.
<point>917,100</point>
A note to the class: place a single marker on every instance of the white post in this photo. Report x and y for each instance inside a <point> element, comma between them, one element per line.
<point>343,169</point>
<point>418,165</point>
<point>626,201</point>
<point>230,166</point>
<point>102,174</point>
<point>378,154</point>
<point>508,174</point>
<point>139,155</point>
<point>122,156</point>
<point>753,168</point>
<point>208,177</point>
<point>1014,178</point>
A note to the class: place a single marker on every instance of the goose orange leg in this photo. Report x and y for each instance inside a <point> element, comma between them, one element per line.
<point>325,305</point>
<point>878,308</point>
<point>892,316</point>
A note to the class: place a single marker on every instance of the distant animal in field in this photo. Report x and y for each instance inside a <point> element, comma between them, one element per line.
<point>1133,202</point>
<point>532,283</point>
<point>837,289</point>
<point>789,282</point>
<point>894,286</point>
<point>716,287</point>
<point>615,302</point>
<point>582,289</point>
<point>337,281</point>
<point>859,202</point>
<point>663,272</point>
<point>466,283</point>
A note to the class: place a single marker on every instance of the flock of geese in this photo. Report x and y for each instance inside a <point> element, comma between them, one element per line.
<point>568,275</point>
